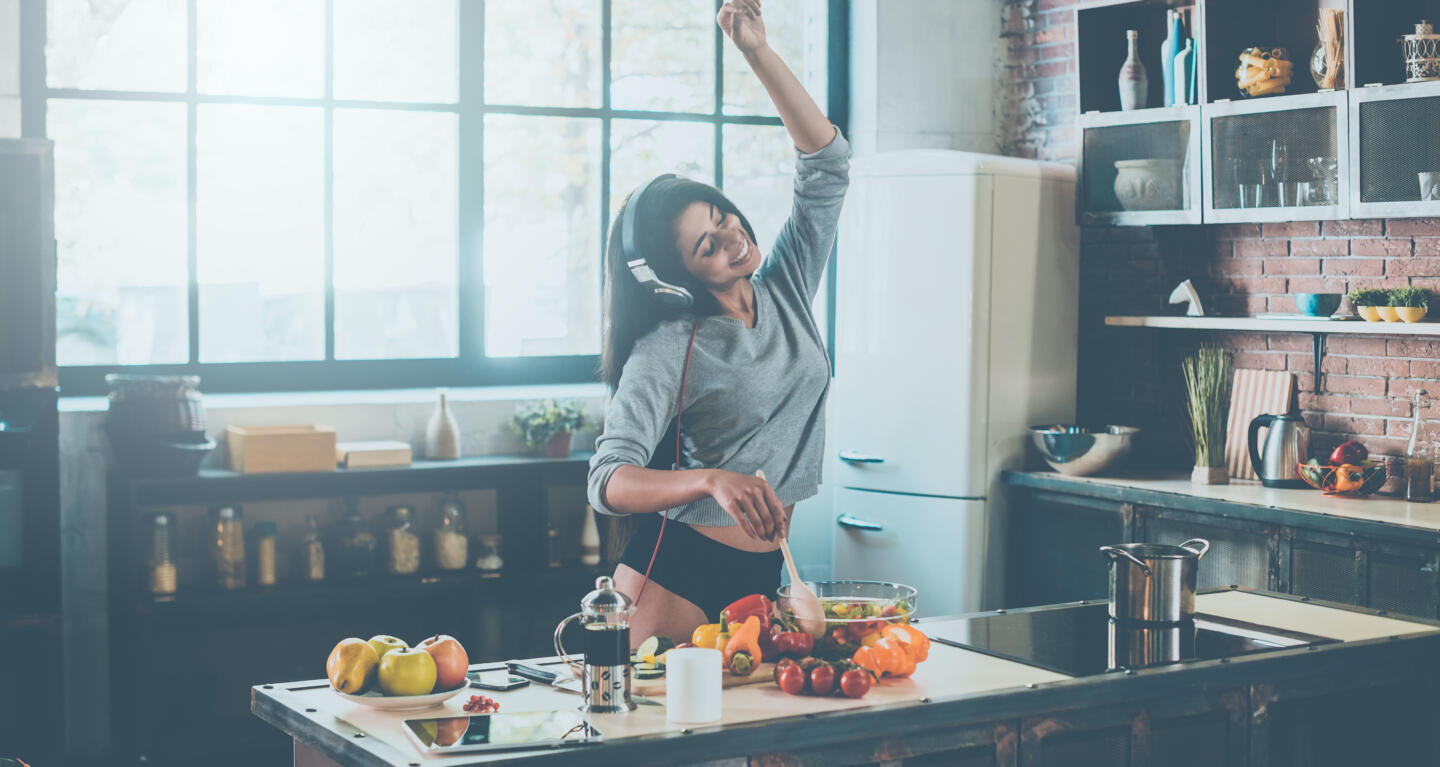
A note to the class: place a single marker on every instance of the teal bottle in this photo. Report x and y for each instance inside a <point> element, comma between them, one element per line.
<point>1168,50</point>
<point>1184,69</point>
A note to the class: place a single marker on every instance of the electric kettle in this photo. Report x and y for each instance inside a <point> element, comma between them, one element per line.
<point>1287,445</point>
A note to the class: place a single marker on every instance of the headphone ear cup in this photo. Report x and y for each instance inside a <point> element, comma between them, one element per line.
<point>670,295</point>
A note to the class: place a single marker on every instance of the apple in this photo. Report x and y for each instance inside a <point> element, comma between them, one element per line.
<point>407,671</point>
<point>351,666</point>
<point>1350,451</point>
<point>384,643</point>
<point>451,662</point>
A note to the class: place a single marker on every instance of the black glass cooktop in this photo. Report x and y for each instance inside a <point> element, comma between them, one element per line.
<point>1083,640</point>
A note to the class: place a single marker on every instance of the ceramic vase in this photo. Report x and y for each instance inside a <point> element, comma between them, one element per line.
<point>1134,83</point>
<point>1168,49</point>
<point>442,434</point>
<point>589,539</point>
<point>1387,313</point>
<point>1410,313</point>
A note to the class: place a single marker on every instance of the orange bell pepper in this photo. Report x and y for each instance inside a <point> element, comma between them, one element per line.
<point>884,657</point>
<point>912,639</point>
<point>742,652</point>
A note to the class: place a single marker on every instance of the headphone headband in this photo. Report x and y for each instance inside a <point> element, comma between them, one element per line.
<point>671,295</point>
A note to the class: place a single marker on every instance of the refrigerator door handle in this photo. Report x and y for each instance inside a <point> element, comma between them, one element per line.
<point>851,456</point>
<point>856,523</point>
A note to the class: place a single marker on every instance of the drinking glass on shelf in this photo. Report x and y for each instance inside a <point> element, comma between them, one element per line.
<point>1324,187</point>
<point>1280,172</point>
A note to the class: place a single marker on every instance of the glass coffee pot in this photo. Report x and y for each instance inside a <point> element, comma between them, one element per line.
<point>605,679</point>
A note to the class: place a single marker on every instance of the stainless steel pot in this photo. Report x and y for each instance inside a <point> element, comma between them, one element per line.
<point>1154,582</point>
<point>1136,645</point>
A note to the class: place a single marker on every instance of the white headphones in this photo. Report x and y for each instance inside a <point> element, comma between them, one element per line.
<point>670,295</point>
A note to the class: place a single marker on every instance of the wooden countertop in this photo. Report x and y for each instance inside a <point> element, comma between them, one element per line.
<point>1421,520</point>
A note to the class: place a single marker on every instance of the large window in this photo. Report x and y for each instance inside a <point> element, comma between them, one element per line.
<point>284,194</point>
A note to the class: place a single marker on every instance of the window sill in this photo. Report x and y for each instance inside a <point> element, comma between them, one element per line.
<point>381,397</point>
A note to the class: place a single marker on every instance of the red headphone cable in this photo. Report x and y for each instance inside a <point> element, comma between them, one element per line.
<point>685,374</point>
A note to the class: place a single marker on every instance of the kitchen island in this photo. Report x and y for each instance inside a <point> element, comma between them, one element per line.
<point>1368,693</point>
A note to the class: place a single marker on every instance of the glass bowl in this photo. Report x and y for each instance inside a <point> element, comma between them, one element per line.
<point>854,609</point>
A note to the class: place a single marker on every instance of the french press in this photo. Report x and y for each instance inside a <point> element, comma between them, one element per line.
<point>605,617</point>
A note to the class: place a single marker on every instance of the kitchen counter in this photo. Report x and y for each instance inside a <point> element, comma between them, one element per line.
<point>1249,499</point>
<point>958,702</point>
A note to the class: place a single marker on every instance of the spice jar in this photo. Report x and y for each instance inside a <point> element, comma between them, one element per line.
<point>265,553</point>
<point>312,551</point>
<point>402,545</point>
<point>229,547</point>
<point>162,573</point>
<point>489,557</point>
<point>452,548</point>
<point>357,545</point>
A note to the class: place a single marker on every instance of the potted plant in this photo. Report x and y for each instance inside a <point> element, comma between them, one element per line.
<point>1410,303</point>
<point>1208,377</point>
<point>1367,302</point>
<point>549,424</point>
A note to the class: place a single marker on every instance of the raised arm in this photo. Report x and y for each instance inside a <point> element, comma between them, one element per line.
<point>809,128</point>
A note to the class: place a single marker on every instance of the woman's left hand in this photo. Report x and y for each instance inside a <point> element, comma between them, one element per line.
<point>740,19</point>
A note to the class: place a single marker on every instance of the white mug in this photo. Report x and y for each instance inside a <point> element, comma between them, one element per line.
<point>1430,185</point>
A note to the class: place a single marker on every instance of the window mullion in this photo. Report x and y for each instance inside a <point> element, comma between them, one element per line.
<point>328,183</point>
<point>719,158</point>
<point>471,188</point>
<point>192,109</point>
<point>606,46</point>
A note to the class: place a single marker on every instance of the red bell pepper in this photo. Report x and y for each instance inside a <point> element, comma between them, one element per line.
<point>794,644</point>
<point>758,605</point>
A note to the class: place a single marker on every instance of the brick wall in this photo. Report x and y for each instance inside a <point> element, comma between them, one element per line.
<point>1132,376</point>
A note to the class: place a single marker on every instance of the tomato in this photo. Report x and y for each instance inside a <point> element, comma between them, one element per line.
<point>783,664</point>
<point>790,678</point>
<point>855,683</point>
<point>822,680</point>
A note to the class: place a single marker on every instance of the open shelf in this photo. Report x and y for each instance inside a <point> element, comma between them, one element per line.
<point>1231,26</point>
<point>1375,29</point>
<point>1104,24</point>
<point>1270,325</point>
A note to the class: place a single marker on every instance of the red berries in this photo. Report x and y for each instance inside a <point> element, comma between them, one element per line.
<point>480,704</point>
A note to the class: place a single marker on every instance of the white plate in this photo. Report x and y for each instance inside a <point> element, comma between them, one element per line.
<point>376,699</point>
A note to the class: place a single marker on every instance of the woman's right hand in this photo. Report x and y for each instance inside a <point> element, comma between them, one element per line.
<point>751,502</point>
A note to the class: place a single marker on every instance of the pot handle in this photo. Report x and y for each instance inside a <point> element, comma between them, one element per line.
<point>1201,542</point>
<point>560,647</point>
<point>1114,551</point>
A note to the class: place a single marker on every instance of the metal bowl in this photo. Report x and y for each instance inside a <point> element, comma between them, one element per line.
<point>1080,451</point>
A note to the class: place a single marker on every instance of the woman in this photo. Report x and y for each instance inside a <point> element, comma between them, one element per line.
<point>749,357</point>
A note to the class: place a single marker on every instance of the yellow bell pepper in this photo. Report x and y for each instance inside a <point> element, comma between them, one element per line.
<point>704,636</point>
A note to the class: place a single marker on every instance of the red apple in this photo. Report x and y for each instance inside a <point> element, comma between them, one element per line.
<point>451,662</point>
<point>1350,451</point>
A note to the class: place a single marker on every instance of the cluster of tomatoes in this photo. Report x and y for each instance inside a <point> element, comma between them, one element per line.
<point>818,677</point>
<point>480,704</point>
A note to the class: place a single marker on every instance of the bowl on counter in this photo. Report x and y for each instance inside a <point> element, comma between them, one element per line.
<point>1317,304</point>
<point>1081,451</point>
<point>860,607</point>
<point>1328,478</point>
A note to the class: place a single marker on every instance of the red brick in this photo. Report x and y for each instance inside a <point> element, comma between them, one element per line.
<point>1413,267</point>
<point>1427,246</point>
<point>1425,369</point>
<point>1316,285</point>
<point>1309,267</point>
<point>1410,227</point>
<point>1398,427</point>
<point>1319,247</point>
<point>1361,266</point>
<point>1045,5</point>
<point>1259,360</point>
<point>1293,229</point>
<point>1401,388</point>
<point>1246,341</point>
<point>1331,364</point>
<point>1419,348</point>
<point>1377,366</point>
<point>1301,363</point>
<point>1235,231</point>
<point>1381,406</point>
<point>1255,284</point>
<point>1331,402</point>
<point>1351,425</point>
<point>1053,68</point>
<point>1359,228</point>
<point>1239,266</point>
<point>1351,345</point>
<point>1380,247</point>
<point>1281,304</point>
<point>1051,34</point>
<point>1289,342</point>
<point>1261,248</point>
<point>1372,387</point>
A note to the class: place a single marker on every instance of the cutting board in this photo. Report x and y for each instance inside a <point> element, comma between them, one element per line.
<point>650,688</point>
<point>1255,392</point>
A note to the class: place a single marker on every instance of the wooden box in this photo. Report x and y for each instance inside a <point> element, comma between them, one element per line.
<point>268,449</point>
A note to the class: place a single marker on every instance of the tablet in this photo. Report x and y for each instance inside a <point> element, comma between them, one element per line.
<point>495,732</point>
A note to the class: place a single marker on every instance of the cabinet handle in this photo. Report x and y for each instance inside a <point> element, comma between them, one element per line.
<point>850,456</point>
<point>856,523</point>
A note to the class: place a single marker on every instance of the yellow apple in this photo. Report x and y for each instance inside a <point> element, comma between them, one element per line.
<point>384,643</point>
<point>407,672</point>
<point>351,666</point>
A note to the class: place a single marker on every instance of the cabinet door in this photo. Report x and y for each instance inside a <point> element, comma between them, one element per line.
<point>1054,543</point>
<point>1344,721</point>
<point>1402,580</point>
<point>1180,730</point>
<point>1239,555</point>
<point>1326,567</point>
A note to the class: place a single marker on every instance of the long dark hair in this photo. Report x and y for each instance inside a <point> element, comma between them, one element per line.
<point>631,310</point>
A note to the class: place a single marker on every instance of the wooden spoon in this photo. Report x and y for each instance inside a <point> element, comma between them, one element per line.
<point>809,614</point>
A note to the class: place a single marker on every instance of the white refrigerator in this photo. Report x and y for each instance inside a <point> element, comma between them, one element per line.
<point>956,313</point>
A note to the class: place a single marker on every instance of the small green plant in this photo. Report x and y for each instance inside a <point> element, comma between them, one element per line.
<point>1208,377</point>
<point>1369,297</point>
<point>537,422</point>
<point>1411,296</point>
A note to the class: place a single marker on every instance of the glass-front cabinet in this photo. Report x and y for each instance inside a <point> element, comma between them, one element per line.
<point>1140,172</point>
<point>1277,164</point>
<point>1395,151</point>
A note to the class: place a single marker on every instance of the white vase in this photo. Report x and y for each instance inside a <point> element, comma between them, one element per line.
<point>589,539</point>
<point>442,434</point>
<point>1134,84</point>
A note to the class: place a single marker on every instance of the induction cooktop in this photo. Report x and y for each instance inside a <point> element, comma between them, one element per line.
<point>1083,640</point>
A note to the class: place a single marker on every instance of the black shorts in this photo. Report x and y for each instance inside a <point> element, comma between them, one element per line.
<point>707,573</point>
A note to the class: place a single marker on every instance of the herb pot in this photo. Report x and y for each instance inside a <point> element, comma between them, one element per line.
<point>1154,582</point>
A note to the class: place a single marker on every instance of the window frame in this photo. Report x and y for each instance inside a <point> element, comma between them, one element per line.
<point>471,367</point>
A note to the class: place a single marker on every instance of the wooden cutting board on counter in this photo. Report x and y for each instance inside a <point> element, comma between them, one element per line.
<point>1255,392</point>
<point>651,688</point>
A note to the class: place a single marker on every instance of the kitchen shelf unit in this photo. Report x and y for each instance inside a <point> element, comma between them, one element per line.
<point>1360,129</point>
<point>181,663</point>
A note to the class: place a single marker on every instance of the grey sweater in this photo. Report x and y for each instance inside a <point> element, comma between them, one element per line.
<point>755,398</point>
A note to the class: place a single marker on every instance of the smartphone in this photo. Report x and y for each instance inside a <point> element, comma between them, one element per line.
<point>496,680</point>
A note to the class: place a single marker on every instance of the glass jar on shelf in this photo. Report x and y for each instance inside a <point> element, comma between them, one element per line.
<point>488,554</point>
<point>163,577</point>
<point>229,547</point>
<point>356,542</point>
<point>265,553</point>
<point>1420,454</point>
<point>312,551</point>
<point>452,547</point>
<point>402,543</point>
